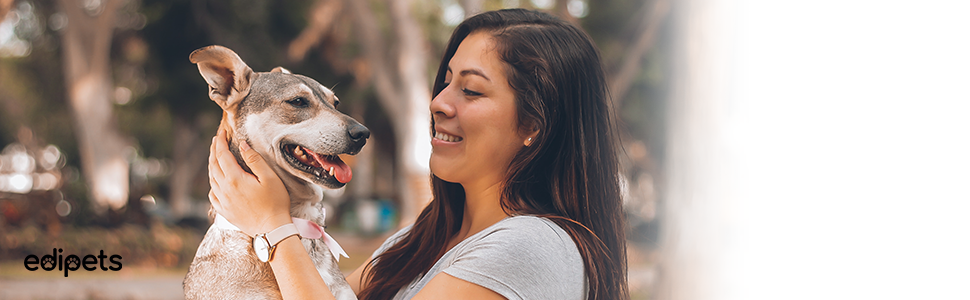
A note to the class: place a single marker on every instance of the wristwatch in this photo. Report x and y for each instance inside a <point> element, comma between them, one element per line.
<point>265,243</point>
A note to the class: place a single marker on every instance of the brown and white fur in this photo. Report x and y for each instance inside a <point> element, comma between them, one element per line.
<point>275,112</point>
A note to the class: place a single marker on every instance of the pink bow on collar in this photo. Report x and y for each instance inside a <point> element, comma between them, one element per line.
<point>311,230</point>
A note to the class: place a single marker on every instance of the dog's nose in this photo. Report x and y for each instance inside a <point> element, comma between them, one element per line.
<point>358,133</point>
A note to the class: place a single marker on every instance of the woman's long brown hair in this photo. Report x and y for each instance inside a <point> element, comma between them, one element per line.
<point>568,174</point>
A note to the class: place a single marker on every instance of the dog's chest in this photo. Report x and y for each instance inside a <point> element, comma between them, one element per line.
<point>226,267</point>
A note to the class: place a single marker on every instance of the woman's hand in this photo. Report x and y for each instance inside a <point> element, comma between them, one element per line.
<point>256,203</point>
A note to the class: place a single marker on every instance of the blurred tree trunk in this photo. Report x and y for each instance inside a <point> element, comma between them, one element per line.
<point>401,79</point>
<point>622,78</point>
<point>322,17</point>
<point>87,72</point>
<point>190,151</point>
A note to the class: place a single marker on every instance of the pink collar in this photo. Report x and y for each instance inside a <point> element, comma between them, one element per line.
<point>308,230</point>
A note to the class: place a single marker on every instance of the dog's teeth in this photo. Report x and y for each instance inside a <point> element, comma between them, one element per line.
<point>299,151</point>
<point>331,171</point>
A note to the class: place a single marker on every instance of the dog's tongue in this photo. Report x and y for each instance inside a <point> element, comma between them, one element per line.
<point>341,171</point>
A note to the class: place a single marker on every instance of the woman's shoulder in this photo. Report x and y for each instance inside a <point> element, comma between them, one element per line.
<point>527,235</point>
<point>529,227</point>
<point>521,257</point>
<point>512,229</point>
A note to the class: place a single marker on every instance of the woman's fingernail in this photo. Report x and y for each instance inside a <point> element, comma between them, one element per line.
<point>244,146</point>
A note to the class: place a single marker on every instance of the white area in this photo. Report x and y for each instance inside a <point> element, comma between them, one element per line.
<point>845,132</point>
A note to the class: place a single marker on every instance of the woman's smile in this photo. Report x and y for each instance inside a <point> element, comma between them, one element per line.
<point>476,130</point>
<point>445,137</point>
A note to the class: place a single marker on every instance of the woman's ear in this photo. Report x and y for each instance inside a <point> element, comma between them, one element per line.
<point>531,136</point>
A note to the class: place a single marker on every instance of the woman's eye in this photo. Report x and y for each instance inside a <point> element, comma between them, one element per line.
<point>471,93</point>
<point>299,102</point>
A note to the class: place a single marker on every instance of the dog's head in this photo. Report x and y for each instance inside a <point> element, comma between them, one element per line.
<point>291,120</point>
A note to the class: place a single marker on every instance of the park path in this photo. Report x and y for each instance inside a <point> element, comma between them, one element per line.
<point>155,288</point>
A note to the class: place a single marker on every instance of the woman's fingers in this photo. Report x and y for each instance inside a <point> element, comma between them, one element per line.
<point>214,186</point>
<point>255,162</point>
<point>226,162</point>
<point>214,200</point>
<point>214,169</point>
<point>214,173</point>
<point>215,192</point>
<point>221,182</point>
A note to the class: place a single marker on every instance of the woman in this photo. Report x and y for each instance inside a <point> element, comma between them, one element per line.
<point>526,199</point>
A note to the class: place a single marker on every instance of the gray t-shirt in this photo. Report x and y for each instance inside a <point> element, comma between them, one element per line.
<point>520,257</point>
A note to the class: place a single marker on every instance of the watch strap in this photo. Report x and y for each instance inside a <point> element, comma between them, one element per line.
<point>280,233</point>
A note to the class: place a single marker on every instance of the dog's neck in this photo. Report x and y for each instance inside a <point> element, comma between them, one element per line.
<point>301,192</point>
<point>303,196</point>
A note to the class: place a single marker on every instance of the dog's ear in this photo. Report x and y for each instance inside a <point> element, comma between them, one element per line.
<point>280,70</point>
<point>229,78</point>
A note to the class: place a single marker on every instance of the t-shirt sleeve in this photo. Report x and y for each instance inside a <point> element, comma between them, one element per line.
<point>526,258</point>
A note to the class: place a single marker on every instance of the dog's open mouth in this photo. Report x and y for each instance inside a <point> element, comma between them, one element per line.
<point>320,165</point>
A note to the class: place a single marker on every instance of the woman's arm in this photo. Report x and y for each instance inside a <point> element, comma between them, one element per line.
<point>259,203</point>
<point>295,273</point>
<point>354,279</point>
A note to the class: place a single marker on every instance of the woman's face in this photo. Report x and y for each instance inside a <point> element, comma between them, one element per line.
<point>476,132</point>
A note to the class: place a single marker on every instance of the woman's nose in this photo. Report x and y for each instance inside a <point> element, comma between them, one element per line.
<point>442,105</point>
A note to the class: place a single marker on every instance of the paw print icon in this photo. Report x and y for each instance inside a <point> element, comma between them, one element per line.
<point>48,263</point>
<point>72,259</point>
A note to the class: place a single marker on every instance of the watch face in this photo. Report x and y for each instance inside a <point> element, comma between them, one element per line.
<point>261,246</point>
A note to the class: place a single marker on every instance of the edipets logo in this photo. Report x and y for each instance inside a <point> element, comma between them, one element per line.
<point>72,262</point>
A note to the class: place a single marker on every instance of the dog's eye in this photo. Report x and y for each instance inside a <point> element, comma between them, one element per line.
<point>299,102</point>
<point>335,103</point>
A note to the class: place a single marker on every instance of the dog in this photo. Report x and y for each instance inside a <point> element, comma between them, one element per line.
<point>292,121</point>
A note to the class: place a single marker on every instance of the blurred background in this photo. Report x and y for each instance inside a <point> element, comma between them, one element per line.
<point>105,125</point>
